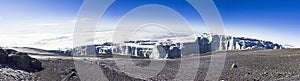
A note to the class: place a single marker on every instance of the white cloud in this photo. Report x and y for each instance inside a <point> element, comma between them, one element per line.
<point>80,20</point>
<point>46,24</point>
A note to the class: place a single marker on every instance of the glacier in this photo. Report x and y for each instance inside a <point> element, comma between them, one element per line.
<point>178,47</point>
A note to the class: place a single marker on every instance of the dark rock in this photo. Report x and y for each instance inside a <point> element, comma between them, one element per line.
<point>10,51</point>
<point>36,64</point>
<point>233,66</point>
<point>20,60</point>
<point>3,56</point>
<point>24,62</point>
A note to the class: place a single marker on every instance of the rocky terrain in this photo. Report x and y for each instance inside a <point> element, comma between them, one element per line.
<point>253,65</point>
<point>9,74</point>
<point>257,65</point>
<point>17,65</point>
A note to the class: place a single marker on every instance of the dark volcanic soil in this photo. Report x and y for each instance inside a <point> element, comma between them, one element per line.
<point>239,65</point>
<point>263,65</point>
<point>58,70</point>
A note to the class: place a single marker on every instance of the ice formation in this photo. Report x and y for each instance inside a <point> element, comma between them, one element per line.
<point>178,47</point>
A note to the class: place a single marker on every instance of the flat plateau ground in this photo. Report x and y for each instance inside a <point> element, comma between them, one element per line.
<point>281,65</point>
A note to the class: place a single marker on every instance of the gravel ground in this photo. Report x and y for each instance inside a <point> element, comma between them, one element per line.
<point>58,70</point>
<point>9,74</point>
<point>253,65</point>
<point>263,65</point>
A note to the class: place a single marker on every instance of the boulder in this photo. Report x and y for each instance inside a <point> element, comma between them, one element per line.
<point>24,62</point>
<point>233,65</point>
<point>3,56</point>
<point>36,64</point>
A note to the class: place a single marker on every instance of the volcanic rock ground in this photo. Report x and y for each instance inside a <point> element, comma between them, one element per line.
<point>253,65</point>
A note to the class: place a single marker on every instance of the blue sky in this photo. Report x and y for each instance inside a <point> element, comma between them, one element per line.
<point>275,20</point>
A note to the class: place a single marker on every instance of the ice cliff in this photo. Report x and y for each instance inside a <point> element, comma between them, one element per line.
<point>177,47</point>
